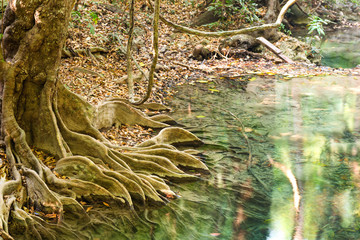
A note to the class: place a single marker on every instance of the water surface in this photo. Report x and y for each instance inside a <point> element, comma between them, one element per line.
<point>341,48</point>
<point>284,157</point>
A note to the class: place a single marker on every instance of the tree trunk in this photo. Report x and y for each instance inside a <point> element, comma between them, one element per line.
<point>40,114</point>
<point>270,16</point>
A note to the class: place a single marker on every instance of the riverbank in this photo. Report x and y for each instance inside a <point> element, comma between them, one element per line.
<point>100,75</point>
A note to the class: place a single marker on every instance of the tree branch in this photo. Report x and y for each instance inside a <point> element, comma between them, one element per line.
<point>228,33</point>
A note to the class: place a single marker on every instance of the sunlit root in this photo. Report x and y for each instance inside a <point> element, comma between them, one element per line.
<point>28,228</point>
<point>74,211</point>
<point>131,186</point>
<point>177,157</point>
<point>118,112</point>
<point>40,194</point>
<point>151,195</point>
<point>150,167</point>
<point>137,148</point>
<point>159,185</point>
<point>83,111</point>
<point>162,161</point>
<point>145,106</point>
<point>83,168</point>
<point>175,136</point>
<point>163,118</point>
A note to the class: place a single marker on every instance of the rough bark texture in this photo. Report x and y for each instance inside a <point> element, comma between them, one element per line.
<point>270,16</point>
<point>38,112</point>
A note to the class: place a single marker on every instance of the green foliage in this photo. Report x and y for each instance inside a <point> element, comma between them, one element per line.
<point>76,15</point>
<point>94,17</point>
<point>93,21</point>
<point>248,9</point>
<point>91,17</point>
<point>317,24</point>
<point>283,29</point>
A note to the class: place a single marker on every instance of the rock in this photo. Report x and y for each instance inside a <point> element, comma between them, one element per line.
<point>205,18</point>
<point>160,67</point>
<point>200,53</point>
<point>298,50</point>
<point>243,41</point>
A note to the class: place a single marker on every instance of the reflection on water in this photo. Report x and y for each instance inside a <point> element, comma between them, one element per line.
<point>341,48</point>
<point>303,177</point>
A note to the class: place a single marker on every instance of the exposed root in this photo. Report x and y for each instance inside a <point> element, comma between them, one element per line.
<point>118,112</point>
<point>163,119</point>
<point>38,192</point>
<point>83,168</point>
<point>88,168</point>
<point>176,157</point>
<point>40,113</point>
<point>173,136</point>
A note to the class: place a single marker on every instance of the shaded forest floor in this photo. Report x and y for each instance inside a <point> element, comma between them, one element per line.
<point>95,64</point>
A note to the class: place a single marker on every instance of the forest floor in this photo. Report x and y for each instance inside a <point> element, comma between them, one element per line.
<point>95,66</point>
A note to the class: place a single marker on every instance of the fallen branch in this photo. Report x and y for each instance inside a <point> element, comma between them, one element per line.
<point>190,67</point>
<point>87,71</point>
<point>69,52</point>
<point>228,33</point>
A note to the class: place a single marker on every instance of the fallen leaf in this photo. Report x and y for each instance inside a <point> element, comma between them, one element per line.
<point>51,215</point>
<point>89,208</point>
<point>213,90</point>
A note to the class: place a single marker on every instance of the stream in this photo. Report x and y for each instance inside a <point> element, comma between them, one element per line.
<point>341,48</point>
<point>283,155</point>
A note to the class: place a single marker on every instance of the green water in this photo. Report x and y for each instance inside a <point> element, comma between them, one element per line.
<point>341,48</point>
<point>284,159</point>
<point>309,128</point>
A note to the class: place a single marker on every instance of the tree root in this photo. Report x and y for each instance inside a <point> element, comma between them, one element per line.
<point>90,169</point>
<point>173,136</point>
<point>38,112</point>
<point>118,112</point>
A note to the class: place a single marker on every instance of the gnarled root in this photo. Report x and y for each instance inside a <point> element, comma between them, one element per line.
<point>118,112</point>
<point>89,168</point>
